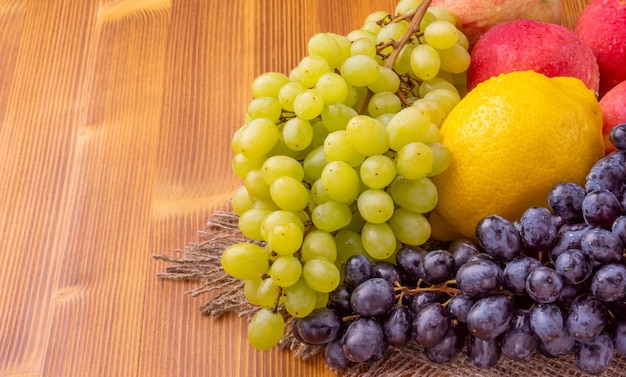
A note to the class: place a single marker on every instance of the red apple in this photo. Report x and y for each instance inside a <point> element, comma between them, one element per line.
<point>475,17</point>
<point>602,25</point>
<point>522,45</point>
<point>613,106</point>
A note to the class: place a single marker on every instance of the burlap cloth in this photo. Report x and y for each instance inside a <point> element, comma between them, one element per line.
<point>201,262</point>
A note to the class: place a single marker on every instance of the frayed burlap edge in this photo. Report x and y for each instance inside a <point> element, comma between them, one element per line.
<point>201,263</point>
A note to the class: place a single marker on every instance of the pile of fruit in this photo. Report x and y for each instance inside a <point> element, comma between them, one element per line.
<point>402,184</point>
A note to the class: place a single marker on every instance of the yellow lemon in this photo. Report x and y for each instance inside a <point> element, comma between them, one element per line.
<point>512,138</point>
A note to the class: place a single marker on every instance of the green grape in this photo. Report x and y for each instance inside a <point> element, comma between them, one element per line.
<point>318,244</point>
<point>376,16</point>
<point>418,195</point>
<point>377,172</point>
<point>336,116</point>
<point>286,270</point>
<point>447,98</point>
<point>331,216</point>
<point>352,97</point>
<point>385,118</point>
<point>265,107</point>
<point>308,104</point>
<point>300,299</point>
<point>426,20</point>
<point>337,147</point>
<point>455,59</point>
<point>433,135</point>
<point>402,64</point>
<point>256,185</point>
<point>414,160</point>
<point>258,137</point>
<point>284,239</point>
<point>376,206</point>
<point>344,44</point>
<point>235,141</point>
<point>442,14</point>
<point>391,32</point>
<point>364,46</point>
<point>266,329</point>
<point>349,243</point>
<point>279,217</point>
<point>250,289</point>
<point>268,84</point>
<point>268,294</point>
<point>441,34</point>
<point>434,83</point>
<point>245,261</point>
<point>242,165</point>
<point>378,240</point>
<point>288,93</point>
<point>406,6</point>
<point>281,149</point>
<point>373,26</point>
<point>442,157</point>
<point>319,132</point>
<point>359,33</point>
<point>407,126</point>
<point>387,81</point>
<point>297,134</point>
<point>250,223</point>
<point>241,201</point>
<point>367,135</point>
<point>289,193</point>
<point>311,68</point>
<point>321,274</point>
<point>425,62</point>
<point>360,70</point>
<point>319,193</point>
<point>410,227</point>
<point>332,87</point>
<point>314,162</point>
<point>463,41</point>
<point>341,181</point>
<point>383,103</point>
<point>321,299</point>
<point>433,109</point>
<point>264,203</point>
<point>278,166</point>
<point>357,221</point>
<point>325,46</point>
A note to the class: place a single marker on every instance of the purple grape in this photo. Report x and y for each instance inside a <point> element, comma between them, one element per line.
<point>334,356</point>
<point>483,353</point>
<point>538,228</point>
<point>321,326</point>
<point>450,345</point>
<point>420,299</point>
<point>609,282</point>
<point>587,318</point>
<point>606,174</point>
<point>397,326</point>
<point>519,342</point>
<point>569,294</point>
<point>490,316</point>
<point>568,237</point>
<point>387,271</point>
<point>601,208</point>
<point>430,324</point>
<point>547,321</point>
<point>373,297</point>
<point>566,200</point>
<point>544,284</point>
<point>603,246</point>
<point>437,267</point>
<point>618,136</point>
<point>461,249</point>
<point>408,259</point>
<point>516,272</point>
<point>362,340</point>
<point>499,238</point>
<point>574,266</point>
<point>357,270</point>
<point>459,306</point>
<point>619,335</point>
<point>594,357</point>
<point>479,277</point>
<point>339,299</point>
<point>562,344</point>
<point>619,228</point>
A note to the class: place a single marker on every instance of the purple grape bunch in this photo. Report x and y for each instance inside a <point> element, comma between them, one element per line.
<point>553,283</point>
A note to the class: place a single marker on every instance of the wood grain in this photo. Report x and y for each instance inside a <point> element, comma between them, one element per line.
<point>115,122</point>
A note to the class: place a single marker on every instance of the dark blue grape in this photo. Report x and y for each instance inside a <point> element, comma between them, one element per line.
<point>544,284</point>
<point>397,326</point>
<point>295,332</point>
<point>357,270</point>
<point>430,324</point>
<point>479,277</point>
<point>373,297</point>
<point>606,174</point>
<point>362,340</point>
<point>339,299</point>
<point>516,272</point>
<point>601,208</point>
<point>603,246</point>
<point>483,353</point>
<point>618,136</point>
<point>547,321</point>
<point>499,238</point>
<point>437,267</point>
<point>617,308</point>
<point>563,344</point>
<point>449,346</point>
<point>587,317</point>
<point>490,316</point>
<point>334,356</point>
<point>566,200</point>
<point>574,266</point>
<point>569,293</point>
<point>538,228</point>
<point>422,298</point>
<point>609,282</point>
<point>519,342</point>
<point>461,249</point>
<point>619,228</point>
<point>408,259</point>
<point>459,306</point>
<point>619,335</point>
<point>594,357</point>
<point>321,326</point>
<point>387,271</point>
<point>568,237</point>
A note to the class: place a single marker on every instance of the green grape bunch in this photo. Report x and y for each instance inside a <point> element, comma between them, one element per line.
<point>336,158</point>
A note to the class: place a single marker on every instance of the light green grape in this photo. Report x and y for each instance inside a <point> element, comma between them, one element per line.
<point>319,132</point>
<point>245,261</point>
<point>279,217</point>
<point>318,244</point>
<point>250,289</point>
<point>286,270</point>
<point>279,166</point>
<point>378,240</point>
<point>462,41</point>
<point>311,68</point>
<point>409,125</point>
<point>373,26</point>
<point>241,201</point>
<point>256,185</point>
<point>352,98</point>
<point>242,165</point>
<point>376,206</point>
<point>447,98</point>
<point>288,93</point>
<point>436,112</point>
<point>336,116</point>
<point>341,181</point>
<point>410,227</point>
<point>344,44</point>
<point>406,6</point>
<point>250,223</point>
<point>308,104</point>
<point>314,163</point>
<point>364,46</point>
<point>442,157</point>
<point>387,81</point>
<point>265,107</point>
<point>284,239</point>
<point>321,274</point>
<point>265,329</point>
<point>325,46</point>
<point>442,14</point>
<point>376,16</point>
<point>434,83</point>
<point>360,70</point>
<point>367,135</point>
<point>402,64</point>
<point>377,171</point>
<point>383,103</point>
<point>391,32</point>
<point>300,299</point>
<point>349,243</point>
<point>359,33</point>
<point>258,137</point>
<point>297,134</point>
<point>268,84</point>
<point>331,216</point>
<point>289,193</point>
<point>441,34</point>
<point>332,87</point>
<point>337,147</point>
<point>268,295</point>
<point>455,59</point>
<point>264,203</point>
<point>425,62</point>
<point>321,299</point>
<point>414,160</point>
<point>319,193</point>
<point>418,195</point>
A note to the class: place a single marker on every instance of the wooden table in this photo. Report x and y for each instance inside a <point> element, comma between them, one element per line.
<point>115,122</point>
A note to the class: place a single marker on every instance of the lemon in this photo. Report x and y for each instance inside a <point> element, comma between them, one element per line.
<point>512,138</point>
